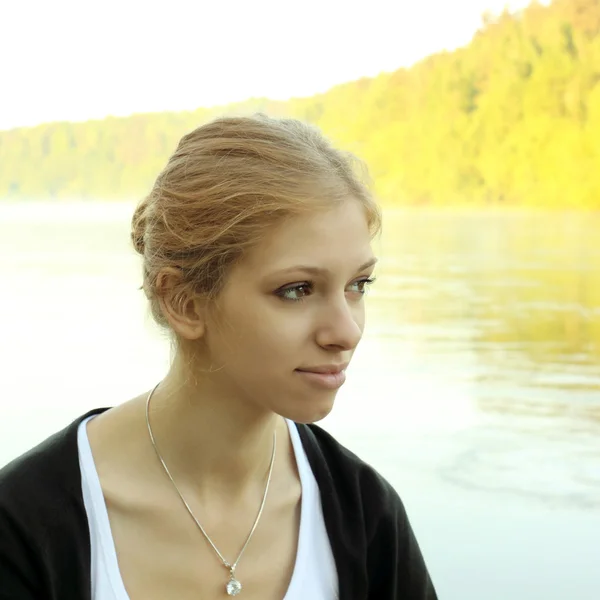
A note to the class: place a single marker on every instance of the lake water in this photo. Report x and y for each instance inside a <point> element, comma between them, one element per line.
<point>475,391</point>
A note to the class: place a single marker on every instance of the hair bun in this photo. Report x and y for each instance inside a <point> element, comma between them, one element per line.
<point>138,228</point>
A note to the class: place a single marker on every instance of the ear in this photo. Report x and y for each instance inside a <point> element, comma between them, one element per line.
<point>185,313</point>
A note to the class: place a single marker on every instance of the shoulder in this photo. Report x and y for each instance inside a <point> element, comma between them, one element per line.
<point>50,466</point>
<point>358,484</point>
<point>370,532</point>
<point>42,516</point>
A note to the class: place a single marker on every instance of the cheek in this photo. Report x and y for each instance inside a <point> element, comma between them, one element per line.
<point>276,335</point>
<point>258,338</point>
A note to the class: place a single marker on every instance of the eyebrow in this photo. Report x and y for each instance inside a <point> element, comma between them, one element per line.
<point>321,271</point>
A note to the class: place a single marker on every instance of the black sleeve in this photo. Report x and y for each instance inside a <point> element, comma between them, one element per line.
<point>396,567</point>
<point>19,578</point>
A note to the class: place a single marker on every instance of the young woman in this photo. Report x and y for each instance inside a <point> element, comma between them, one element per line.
<point>256,245</point>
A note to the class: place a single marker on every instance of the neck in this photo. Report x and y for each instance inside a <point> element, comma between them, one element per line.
<point>210,435</point>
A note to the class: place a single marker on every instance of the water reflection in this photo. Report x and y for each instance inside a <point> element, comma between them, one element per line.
<point>498,317</point>
<point>521,290</point>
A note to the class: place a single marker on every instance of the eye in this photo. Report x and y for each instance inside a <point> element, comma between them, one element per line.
<point>299,291</point>
<point>295,293</point>
<point>362,284</point>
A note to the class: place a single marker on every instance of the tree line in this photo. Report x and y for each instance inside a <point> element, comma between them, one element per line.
<point>513,119</point>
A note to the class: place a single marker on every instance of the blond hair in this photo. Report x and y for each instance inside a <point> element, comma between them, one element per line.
<point>227,183</point>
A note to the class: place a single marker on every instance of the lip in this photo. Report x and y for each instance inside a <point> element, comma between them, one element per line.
<point>327,378</point>
<point>331,368</point>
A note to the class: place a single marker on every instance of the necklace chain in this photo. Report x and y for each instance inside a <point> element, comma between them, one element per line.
<point>230,566</point>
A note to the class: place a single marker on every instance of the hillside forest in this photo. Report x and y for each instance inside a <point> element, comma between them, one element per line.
<point>511,119</point>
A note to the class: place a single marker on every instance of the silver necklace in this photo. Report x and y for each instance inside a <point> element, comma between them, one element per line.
<point>233,586</point>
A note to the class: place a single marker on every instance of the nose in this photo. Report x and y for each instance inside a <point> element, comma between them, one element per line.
<point>341,324</point>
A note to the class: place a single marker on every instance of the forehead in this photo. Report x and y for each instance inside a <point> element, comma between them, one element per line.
<point>338,238</point>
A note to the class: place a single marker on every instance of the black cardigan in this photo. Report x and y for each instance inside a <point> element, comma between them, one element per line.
<point>45,543</point>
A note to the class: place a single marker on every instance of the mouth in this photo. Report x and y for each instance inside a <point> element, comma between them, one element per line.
<point>325,369</point>
<point>329,377</point>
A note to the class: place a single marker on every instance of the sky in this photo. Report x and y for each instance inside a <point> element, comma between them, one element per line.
<point>80,59</point>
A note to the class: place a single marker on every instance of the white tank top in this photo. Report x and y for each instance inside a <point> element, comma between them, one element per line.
<point>314,574</point>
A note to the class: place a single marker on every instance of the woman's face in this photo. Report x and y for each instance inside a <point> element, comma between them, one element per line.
<point>294,304</point>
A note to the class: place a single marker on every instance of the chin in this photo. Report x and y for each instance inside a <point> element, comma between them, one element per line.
<point>304,412</point>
